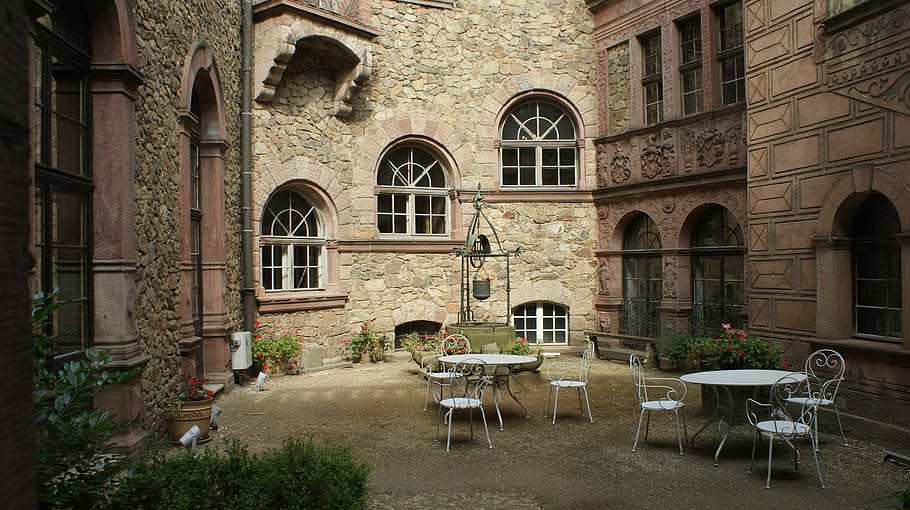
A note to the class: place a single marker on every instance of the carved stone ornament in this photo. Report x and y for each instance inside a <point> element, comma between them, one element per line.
<point>603,277</point>
<point>603,165</point>
<point>734,143</point>
<point>670,278</point>
<point>709,146</point>
<point>687,147</point>
<point>668,205</point>
<point>603,321</point>
<point>620,169</point>
<point>651,156</point>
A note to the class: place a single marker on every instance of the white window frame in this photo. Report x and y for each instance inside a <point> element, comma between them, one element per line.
<point>410,192</point>
<point>284,247</point>
<point>543,335</point>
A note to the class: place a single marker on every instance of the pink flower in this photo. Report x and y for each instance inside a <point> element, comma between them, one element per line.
<point>345,340</point>
<point>740,352</point>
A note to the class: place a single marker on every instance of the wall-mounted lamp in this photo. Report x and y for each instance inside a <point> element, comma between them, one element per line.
<point>215,412</point>
<point>188,440</point>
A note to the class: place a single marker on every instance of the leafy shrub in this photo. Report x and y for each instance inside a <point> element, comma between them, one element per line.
<point>415,342</point>
<point>519,346</point>
<point>276,348</point>
<point>734,348</point>
<point>296,475</point>
<point>73,449</point>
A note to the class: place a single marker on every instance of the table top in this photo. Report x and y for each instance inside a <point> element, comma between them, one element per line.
<point>740,377</point>
<point>489,359</point>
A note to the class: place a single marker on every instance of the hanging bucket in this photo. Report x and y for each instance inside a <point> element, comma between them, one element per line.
<point>481,289</point>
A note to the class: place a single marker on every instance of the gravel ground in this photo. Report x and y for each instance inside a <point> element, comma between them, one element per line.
<point>377,411</point>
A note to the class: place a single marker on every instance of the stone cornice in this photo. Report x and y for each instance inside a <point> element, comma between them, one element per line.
<point>399,245</point>
<point>272,8</point>
<point>735,175</point>
<point>534,196</point>
<point>116,77</point>
<point>291,302</point>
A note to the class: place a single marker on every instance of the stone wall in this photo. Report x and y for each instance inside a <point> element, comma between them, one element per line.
<point>618,75</point>
<point>443,74</point>
<point>165,34</point>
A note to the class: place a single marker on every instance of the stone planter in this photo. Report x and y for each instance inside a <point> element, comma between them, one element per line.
<point>180,417</point>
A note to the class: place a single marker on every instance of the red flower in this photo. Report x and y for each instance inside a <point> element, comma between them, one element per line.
<point>740,352</point>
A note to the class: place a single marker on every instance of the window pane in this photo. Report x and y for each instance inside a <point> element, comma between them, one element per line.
<point>538,131</point>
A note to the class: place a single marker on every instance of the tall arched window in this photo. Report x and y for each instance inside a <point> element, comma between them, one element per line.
<point>542,322</point>
<point>718,279</point>
<point>412,198</point>
<point>877,270</point>
<point>63,173</point>
<point>641,278</point>
<point>292,244</point>
<point>538,145</point>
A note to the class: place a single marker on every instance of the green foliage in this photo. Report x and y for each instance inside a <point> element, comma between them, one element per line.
<point>732,349</point>
<point>519,346</point>
<point>73,450</point>
<point>297,475</point>
<point>367,340</point>
<point>276,348</point>
<point>414,342</point>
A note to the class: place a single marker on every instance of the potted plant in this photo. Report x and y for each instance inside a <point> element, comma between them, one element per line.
<point>276,353</point>
<point>367,341</point>
<point>189,403</point>
<point>421,347</point>
<point>522,347</point>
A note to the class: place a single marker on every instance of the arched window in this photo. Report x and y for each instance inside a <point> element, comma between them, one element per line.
<point>538,145</point>
<point>542,322</point>
<point>63,172</point>
<point>877,270</point>
<point>413,198</point>
<point>292,244</point>
<point>641,279</point>
<point>718,278</point>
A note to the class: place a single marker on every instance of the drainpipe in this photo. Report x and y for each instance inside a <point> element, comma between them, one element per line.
<point>248,300</point>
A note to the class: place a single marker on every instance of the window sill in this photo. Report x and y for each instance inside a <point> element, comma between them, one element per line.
<point>865,346</point>
<point>303,301</point>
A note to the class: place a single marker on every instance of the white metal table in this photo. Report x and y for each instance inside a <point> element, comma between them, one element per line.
<point>495,360</point>
<point>726,379</point>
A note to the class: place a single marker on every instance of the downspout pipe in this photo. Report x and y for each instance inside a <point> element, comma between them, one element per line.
<point>248,299</point>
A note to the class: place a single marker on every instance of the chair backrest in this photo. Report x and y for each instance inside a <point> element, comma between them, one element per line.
<point>638,377</point>
<point>455,344</point>
<point>788,400</point>
<point>587,360</point>
<point>469,379</point>
<point>826,368</point>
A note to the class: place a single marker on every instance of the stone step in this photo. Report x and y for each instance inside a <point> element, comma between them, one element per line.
<point>621,354</point>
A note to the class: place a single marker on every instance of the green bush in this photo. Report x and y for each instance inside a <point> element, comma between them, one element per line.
<point>74,460</point>
<point>734,348</point>
<point>297,475</point>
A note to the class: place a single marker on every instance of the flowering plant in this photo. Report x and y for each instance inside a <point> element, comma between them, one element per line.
<point>415,342</point>
<point>737,349</point>
<point>367,340</point>
<point>519,346</point>
<point>190,388</point>
<point>272,349</point>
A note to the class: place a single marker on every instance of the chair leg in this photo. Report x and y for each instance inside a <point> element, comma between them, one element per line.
<point>427,399</point>
<point>449,437</point>
<point>549,398</point>
<point>678,437</point>
<point>588,405</point>
<point>754,443</point>
<point>770,453</point>
<point>638,430</point>
<point>555,403</point>
<point>485,429</point>
<point>647,425</point>
<point>839,426</point>
<point>818,470</point>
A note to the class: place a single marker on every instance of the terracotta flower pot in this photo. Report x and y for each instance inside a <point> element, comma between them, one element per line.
<point>180,416</point>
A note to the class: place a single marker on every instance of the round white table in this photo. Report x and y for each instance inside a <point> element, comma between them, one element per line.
<point>495,360</point>
<point>726,379</point>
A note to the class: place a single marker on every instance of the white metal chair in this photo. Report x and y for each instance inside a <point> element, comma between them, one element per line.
<point>825,372</point>
<point>779,421</point>
<point>666,394</point>
<point>571,374</point>
<point>465,392</point>
<point>438,375</point>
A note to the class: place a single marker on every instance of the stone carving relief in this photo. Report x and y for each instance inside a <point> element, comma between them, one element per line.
<point>668,205</point>
<point>709,147</point>
<point>603,102</point>
<point>735,143</point>
<point>620,168</point>
<point>862,34</point>
<point>670,277</point>
<point>658,156</point>
<point>603,321</point>
<point>602,165</point>
<point>603,277</point>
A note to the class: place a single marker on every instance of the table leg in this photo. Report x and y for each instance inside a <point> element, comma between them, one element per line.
<point>711,419</point>
<point>725,410</point>
<point>509,387</point>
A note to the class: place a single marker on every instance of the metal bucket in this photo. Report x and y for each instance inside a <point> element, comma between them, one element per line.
<point>481,289</point>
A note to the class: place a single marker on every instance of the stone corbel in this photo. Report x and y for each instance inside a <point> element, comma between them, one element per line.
<point>349,83</point>
<point>276,67</point>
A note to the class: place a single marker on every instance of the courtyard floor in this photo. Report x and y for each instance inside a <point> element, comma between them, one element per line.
<point>376,409</point>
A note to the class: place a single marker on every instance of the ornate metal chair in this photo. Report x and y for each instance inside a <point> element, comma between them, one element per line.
<point>438,375</point>
<point>825,371</point>
<point>666,394</point>
<point>571,374</point>
<point>779,421</point>
<point>464,392</point>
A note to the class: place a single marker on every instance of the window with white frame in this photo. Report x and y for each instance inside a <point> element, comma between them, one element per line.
<point>538,145</point>
<point>292,244</point>
<point>690,65</point>
<point>412,198</point>
<point>652,79</point>
<point>730,54</point>
<point>542,322</point>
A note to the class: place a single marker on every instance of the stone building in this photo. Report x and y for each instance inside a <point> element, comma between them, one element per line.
<point>136,187</point>
<point>752,168</point>
<point>377,123</point>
